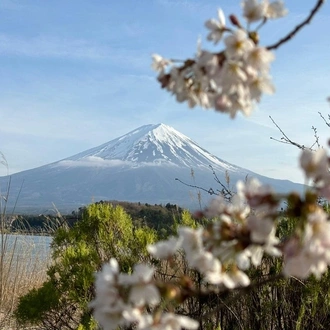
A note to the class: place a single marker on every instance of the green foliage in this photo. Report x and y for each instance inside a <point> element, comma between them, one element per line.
<point>45,299</point>
<point>105,231</point>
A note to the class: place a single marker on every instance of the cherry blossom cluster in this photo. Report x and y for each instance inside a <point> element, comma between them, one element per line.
<point>308,251</point>
<point>233,79</point>
<point>238,235</point>
<point>121,300</point>
<point>316,168</point>
<point>240,232</point>
<point>220,252</point>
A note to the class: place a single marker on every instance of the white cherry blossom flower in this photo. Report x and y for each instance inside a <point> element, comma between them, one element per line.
<point>191,240</point>
<point>207,264</point>
<point>235,278</point>
<point>165,249</point>
<point>310,253</point>
<point>276,9</point>
<point>216,207</point>
<point>177,322</point>
<point>315,164</point>
<point>253,10</point>
<point>259,86</point>
<point>108,305</point>
<point>259,58</point>
<point>159,63</point>
<point>217,27</point>
<point>254,192</point>
<point>238,43</point>
<point>233,75</point>
<point>222,103</point>
<point>142,290</point>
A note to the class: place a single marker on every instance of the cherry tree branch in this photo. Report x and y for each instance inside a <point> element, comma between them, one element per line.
<point>298,27</point>
<point>285,139</point>
<point>225,190</point>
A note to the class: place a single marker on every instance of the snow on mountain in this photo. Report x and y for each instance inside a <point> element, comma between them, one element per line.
<point>148,145</point>
<point>139,166</point>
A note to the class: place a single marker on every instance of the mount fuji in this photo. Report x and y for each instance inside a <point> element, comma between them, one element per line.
<point>140,166</point>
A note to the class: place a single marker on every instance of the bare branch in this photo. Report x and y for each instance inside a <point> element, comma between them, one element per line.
<point>298,27</point>
<point>317,138</point>
<point>285,139</point>
<point>209,191</point>
<point>327,122</point>
<point>225,191</point>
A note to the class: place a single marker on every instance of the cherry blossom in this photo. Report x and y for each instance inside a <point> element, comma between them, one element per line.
<point>253,10</point>
<point>217,27</point>
<point>238,43</point>
<point>276,9</point>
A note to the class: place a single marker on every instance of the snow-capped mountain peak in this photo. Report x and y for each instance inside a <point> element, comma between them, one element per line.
<point>139,166</point>
<point>153,144</point>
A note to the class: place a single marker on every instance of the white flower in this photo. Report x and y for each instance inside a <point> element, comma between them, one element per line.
<point>191,240</point>
<point>253,10</point>
<point>238,208</point>
<point>233,75</point>
<point>222,103</point>
<point>209,63</point>
<point>238,43</point>
<point>217,27</point>
<point>216,207</point>
<point>143,291</point>
<point>254,192</point>
<point>310,253</point>
<point>315,164</point>
<point>208,265</point>
<point>108,305</point>
<point>260,228</point>
<point>276,9</point>
<point>164,249</point>
<point>259,58</point>
<point>235,278</point>
<point>261,85</point>
<point>143,294</point>
<point>170,321</point>
<point>159,63</point>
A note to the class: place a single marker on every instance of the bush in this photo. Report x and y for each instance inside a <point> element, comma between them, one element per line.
<point>104,232</point>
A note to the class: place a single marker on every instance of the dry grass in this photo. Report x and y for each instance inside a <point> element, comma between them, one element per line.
<point>23,266</point>
<point>23,263</point>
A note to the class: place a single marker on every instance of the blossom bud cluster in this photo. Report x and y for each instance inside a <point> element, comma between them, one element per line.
<point>121,300</point>
<point>231,80</point>
<point>308,251</point>
<point>224,248</point>
<point>316,167</point>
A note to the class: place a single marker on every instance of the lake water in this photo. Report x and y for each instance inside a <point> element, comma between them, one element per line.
<point>22,246</point>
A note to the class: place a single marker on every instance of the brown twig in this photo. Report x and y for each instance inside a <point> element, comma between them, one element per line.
<point>298,27</point>
<point>285,139</point>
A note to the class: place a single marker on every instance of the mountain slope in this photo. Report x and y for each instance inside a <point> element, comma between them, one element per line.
<point>139,166</point>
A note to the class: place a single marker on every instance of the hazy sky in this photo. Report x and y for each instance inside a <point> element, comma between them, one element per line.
<point>76,74</point>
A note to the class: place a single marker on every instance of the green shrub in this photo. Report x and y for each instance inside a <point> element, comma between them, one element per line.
<point>104,232</point>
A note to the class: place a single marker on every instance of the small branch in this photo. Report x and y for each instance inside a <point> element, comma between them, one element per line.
<point>226,192</point>
<point>317,138</point>
<point>298,27</point>
<point>326,122</point>
<point>209,191</point>
<point>285,139</point>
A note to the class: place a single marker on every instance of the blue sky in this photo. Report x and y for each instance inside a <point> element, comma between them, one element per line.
<point>75,74</point>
